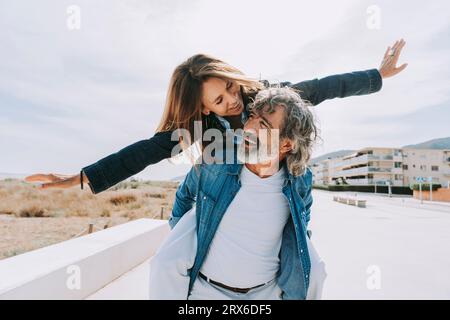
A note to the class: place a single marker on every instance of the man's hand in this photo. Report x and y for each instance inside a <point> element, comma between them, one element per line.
<point>388,65</point>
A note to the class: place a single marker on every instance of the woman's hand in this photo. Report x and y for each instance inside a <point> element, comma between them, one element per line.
<point>56,180</point>
<point>388,65</point>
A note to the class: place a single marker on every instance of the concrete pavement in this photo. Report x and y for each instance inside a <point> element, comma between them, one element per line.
<point>396,248</point>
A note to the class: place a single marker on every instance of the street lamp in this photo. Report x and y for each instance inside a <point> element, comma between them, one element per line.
<point>420,180</point>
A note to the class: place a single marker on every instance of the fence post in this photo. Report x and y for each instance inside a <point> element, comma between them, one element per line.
<point>91,227</point>
<point>162,213</point>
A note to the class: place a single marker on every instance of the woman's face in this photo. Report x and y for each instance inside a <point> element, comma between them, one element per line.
<point>223,97</point>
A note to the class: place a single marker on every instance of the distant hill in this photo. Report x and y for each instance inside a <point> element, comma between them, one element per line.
<point>442,143</point>
<point>4,175</point>
<point>330,155</point>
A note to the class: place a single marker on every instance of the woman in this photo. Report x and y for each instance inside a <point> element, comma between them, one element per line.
<point>211,91</point>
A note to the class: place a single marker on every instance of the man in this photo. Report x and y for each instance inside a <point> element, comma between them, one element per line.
<point>251,219</point>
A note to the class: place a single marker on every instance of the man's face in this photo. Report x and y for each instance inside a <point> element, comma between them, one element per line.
<point>262,136</point>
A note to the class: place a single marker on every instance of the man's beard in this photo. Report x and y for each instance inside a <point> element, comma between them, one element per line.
<point>255,155</point>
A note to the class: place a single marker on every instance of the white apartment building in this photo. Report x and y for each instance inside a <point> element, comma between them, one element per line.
<point>426,163</point>
<point>370,166</point>
<point>323,171</point>
<point>382,166</point>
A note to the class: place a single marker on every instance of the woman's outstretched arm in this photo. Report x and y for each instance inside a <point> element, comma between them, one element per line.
<point>129,161</point>
<point>354,83</point>
<point>339,86</point>
<point>116,167</point>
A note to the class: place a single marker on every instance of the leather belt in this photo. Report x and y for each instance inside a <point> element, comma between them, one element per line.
<point>238,290</point>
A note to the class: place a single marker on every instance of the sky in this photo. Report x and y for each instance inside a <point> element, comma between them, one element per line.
<point>70,96</point>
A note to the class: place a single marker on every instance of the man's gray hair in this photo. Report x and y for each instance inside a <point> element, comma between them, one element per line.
<point>298,124</point>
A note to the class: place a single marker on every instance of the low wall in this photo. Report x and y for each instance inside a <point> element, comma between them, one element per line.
<point>441,194</point>
<point>77,268</point>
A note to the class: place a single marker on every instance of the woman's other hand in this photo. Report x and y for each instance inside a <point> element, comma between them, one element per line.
<point>388,66</point>
<point>54,180</point>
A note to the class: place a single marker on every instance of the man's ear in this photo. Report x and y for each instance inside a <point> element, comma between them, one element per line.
<point>286,146</point>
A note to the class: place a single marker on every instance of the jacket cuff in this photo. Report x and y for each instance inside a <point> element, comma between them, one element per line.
<point>97,179</point>
<point>375,80</point>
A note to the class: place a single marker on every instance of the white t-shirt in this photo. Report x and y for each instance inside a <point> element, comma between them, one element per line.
<point>244,250</point>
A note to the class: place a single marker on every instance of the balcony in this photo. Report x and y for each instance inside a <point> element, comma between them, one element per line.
<point>366,158</point>
<point>367,182</point>
<point>381,157</point>
<point>352,161</point>
<point>387,157</point>
<point>366,170</point>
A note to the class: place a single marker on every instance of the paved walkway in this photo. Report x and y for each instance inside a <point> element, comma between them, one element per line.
<point>406,243</point>
<point>396,248</point>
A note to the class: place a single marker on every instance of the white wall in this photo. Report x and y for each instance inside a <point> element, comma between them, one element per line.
<point>77,268</point>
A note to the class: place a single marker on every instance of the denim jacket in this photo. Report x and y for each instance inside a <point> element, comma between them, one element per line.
<point>213,188</point>
<point>134,158</point>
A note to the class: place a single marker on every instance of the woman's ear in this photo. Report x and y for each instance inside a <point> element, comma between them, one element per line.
<point>205,111</point>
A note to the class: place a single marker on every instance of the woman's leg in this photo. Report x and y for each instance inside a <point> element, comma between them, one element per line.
<point>169,276</point>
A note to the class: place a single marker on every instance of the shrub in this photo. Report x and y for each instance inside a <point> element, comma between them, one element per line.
<point>122,199</point>
<point>135,206</point>
<point>371,189</point>
<point>80,212</point>
<point>134,185</point>
<point>426,187</point>
<point>6,211</point>
<point>32,212</point>
<point>157,195</point>
<point>106,213</point>
<point>320,187</point>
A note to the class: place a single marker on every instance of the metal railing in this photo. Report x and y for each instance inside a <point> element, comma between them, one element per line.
<point>369,157</point>
<point>367,170</point>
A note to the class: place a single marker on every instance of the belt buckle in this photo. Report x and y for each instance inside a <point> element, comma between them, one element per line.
<point>240,290</point>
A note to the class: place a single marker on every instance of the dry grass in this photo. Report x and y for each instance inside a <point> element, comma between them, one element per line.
<point>31,218</point>
<point>121,199</point>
